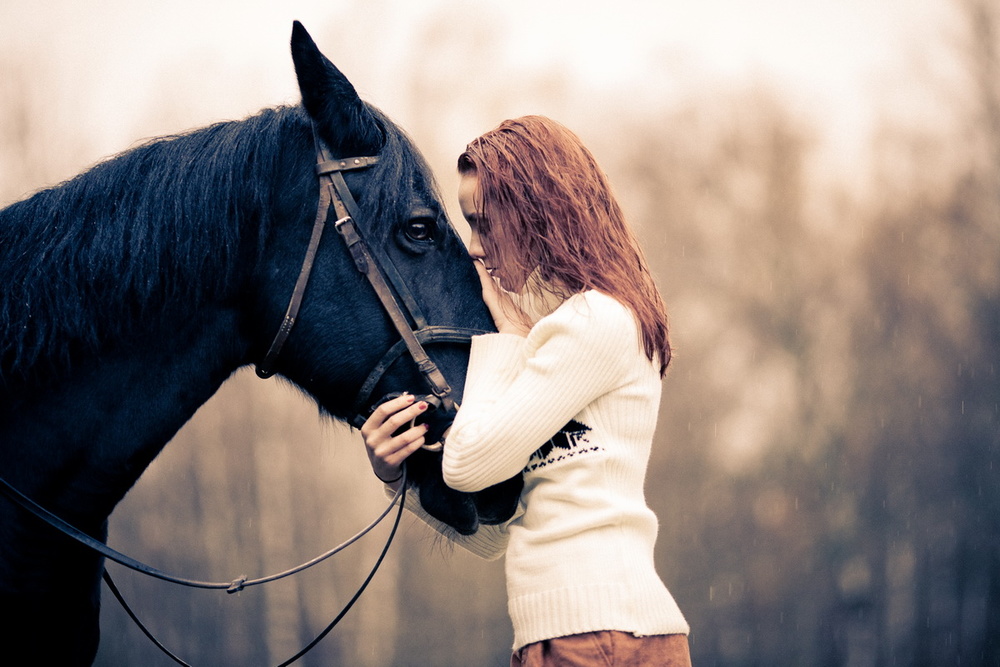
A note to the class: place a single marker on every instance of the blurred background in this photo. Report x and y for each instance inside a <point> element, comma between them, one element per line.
<point>817,185</point>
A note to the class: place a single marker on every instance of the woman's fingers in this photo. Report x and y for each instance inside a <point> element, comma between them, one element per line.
<point>397,449</point>
<point>506,314</point>
<point>492,295</point>
<point>484,276</point>
<point>391,415</point>
<point>386,410</point>
<point>388,456</point>
<point>385,450</point>
<point>402,418</point>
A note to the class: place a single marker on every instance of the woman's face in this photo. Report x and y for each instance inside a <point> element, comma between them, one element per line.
<point>468,200</point>
<point>470,203</point>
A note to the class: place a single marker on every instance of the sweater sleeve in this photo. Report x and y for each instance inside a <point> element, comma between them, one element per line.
<point>517,399</point>
<point>494,362</point>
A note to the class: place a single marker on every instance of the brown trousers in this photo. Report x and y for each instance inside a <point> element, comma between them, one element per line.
<point>605,649</point>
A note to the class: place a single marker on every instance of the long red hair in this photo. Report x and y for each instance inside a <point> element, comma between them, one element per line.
<point>548,207</point>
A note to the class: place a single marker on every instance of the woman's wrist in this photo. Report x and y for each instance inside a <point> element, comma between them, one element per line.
<point>398,476</point>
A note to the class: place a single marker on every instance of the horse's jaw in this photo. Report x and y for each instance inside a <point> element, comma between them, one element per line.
<point>464,512</point>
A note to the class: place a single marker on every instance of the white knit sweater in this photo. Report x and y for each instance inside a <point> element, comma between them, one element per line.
<point>580,549</point>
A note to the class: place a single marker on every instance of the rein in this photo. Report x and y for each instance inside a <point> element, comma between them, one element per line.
<point>234,586</point>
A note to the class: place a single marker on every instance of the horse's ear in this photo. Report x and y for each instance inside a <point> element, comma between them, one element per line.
<point>340,117</point>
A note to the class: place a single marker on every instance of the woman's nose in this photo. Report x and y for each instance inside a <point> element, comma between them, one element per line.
<point>475,247</point>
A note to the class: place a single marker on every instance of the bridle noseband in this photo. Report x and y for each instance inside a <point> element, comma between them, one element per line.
<point>392,291</point>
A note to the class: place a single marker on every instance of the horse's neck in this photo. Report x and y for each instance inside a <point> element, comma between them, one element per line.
<point>114,413</point>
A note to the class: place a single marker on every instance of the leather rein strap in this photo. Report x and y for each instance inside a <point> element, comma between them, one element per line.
<point>234,586</point>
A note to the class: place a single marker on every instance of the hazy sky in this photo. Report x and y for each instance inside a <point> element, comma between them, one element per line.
<point>99,63</point>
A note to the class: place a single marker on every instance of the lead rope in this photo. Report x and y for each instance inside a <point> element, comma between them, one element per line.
<point>234,586</point>
<point>400,496</point>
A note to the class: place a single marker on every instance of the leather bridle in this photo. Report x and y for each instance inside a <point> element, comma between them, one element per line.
<point>396,298</point>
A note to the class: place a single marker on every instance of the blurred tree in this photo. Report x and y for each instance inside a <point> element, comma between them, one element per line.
<point>926,407</point>
<point>831,418</point>
<point>30,154</point>
<point>752,285</point>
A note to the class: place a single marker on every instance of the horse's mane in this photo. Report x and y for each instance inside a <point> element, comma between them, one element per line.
<point>152,231</point>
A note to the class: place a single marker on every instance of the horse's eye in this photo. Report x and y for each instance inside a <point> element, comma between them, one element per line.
<point>420,229</point>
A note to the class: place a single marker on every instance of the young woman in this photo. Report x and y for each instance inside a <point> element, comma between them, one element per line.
<point>566,394</point>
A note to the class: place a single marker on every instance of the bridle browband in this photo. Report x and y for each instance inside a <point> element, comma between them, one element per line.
<point>392,292</point>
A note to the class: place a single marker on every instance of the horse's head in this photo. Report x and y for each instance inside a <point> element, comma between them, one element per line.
<point>394,265</point>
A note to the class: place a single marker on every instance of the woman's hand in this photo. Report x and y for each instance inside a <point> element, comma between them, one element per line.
<point>387,452</point>
<point>506,315</point>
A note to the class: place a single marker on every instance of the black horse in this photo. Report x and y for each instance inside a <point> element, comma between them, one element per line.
<point>133,291</point>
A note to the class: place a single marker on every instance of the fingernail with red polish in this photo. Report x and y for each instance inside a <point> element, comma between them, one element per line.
<point>423,406</point>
